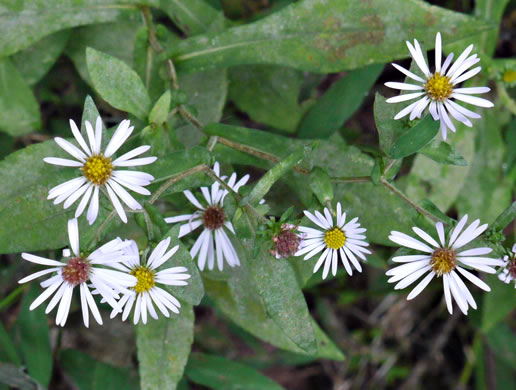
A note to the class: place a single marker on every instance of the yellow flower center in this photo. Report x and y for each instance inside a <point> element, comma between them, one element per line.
<point>443,261</point>
<point>145,279</point>
<point>509,76</point>
<point>439,87</point>
<point>97,169</point>
<point>334,238</point>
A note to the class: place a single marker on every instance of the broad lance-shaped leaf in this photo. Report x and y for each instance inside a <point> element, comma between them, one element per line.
<point>505,218</point>
<point>320,183</point>
<point>326,36</point>
<point>222,374</point>
<point>498,303</point>
<point>388,128</point>
<point>273,175</point>
<point>192,16</point>
<point>117,83</point>
<point>32,328</point>
<point>19,110</point>
<point>415,138</point>
<point>443,153</point>
<point>90,374</point>
<point>23,23</point>
<point>163,349</point>
<point>339,103</point>
<point>283,299</point>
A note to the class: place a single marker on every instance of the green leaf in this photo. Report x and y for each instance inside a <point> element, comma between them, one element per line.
<point>339,103</point>
<point>24,23</point>
<point>272,176</point>
<point>194,291</point>
<point>443,153</point>
<point>388,129</point>
<point>116,39</point>
<point>498,303</point>
<point>283,299</point>
<point>19,110</point>
<point>415,138</point>
<point>8,352</point>
<point>159,112</point>
<point>163,349</point>
<point>219,373</point>
<point>14,376</point>
<point>35,61</point>
<point>322,36</point>
<point>503,343</point>
<point>192,16</point>
<point>117,83</point>
<point>505,218</point>
<point>207,92</point>
<point>492,12</point>
<point>320,183</point>
<point>268,94</point>
<point>89,374</point>
<point>34,338</point>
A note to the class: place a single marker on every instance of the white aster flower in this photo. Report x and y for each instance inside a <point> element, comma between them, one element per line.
<point>99,170</point>
<point>77,271</point>
<point>335,238</point>
<point>436,90</point>
<point>146,287</point>
<point>443,260</point>
<point>213,238</point>
<point>508,273</point>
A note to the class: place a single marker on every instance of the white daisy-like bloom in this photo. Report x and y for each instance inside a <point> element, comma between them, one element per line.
<point>437,90</point>
<point>442,259</point>
<point>99,170</point>
<point>336,239</point>
<point>146,291</point>
<point>508,273</point>
<point>77,271</point>
<point>213,239</point>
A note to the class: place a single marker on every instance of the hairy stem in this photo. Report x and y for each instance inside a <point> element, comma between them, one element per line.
<point>175,179</point>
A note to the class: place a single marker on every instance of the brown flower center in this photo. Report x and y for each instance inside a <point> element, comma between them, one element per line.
<point>76,271</point>
<point>97,169</point>
<point>287,243</point>
<point>443,261</point>
<point>213,217</point>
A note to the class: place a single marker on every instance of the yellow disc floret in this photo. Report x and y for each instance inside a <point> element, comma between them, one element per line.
<point>443,261</point>
<point>145,279</point>
<point>509,76</point>
<point>97,169</point>
<point>334,238</point>
<point>439,87</point>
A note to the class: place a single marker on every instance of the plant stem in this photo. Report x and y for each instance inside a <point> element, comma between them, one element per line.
<point>103,226</point>
<point>406,199</point>
<point>506,99</point>
<point>175,179</point>
<point>212,141</point>
<point>13,296</point>
<point>148,223</point>
<point>357,179</point>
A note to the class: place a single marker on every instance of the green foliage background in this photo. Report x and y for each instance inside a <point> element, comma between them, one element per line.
<point>292,93</point>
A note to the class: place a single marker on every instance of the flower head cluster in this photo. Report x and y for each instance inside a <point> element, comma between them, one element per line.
<point>438,90</point>
<point>214,239</point>
<point>335,238</point>
<point>508,273</point>
<point>443,259</point>
<point>98,169</point>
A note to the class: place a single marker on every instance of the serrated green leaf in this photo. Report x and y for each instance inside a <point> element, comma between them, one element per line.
<point>24,23</point>
<point>117,83</point>
<point>194,291</point>
<point>443,153</point>
<point>325,36</point>
<point>320,184</point>
<point>283,299</point>
<point>159,112</point>
<point>32,327</point>
<point>19,110</point>
<point>415,139</point>
<point>222,374</point>
<point>163,349</point>
<point>90,374</point>
<point>268,94</point>
<point>35,61</point>
<point>116,39</point>
<point>339,103</point>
